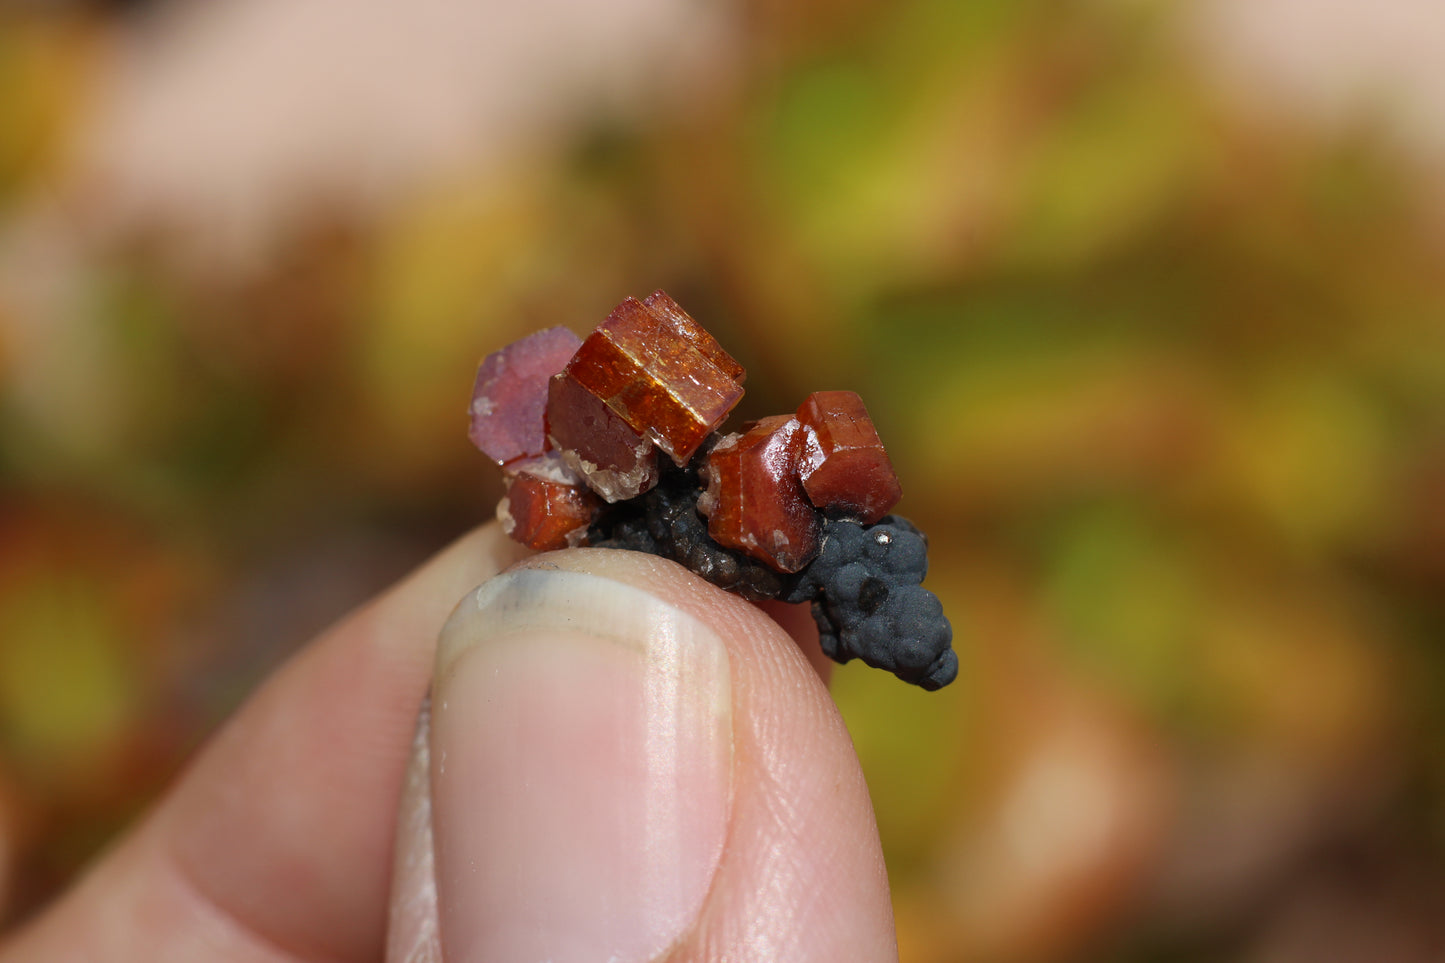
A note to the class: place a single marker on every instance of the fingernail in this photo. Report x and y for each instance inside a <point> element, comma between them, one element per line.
<point>411,930</point>
<point>581,771</point>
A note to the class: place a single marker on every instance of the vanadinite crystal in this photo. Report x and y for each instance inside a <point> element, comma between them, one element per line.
<point>546,507</point>
<point>511,392</point>
<point>659,372</point>
<point>794,508</point>
<point>844,469</point>
<point>615,461</point>
<point>684,327</point>
<point>754,501</point>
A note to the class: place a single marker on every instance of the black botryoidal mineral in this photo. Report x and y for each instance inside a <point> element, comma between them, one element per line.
<point>665,521</point>
<point>869,603</point>
<point>864,585</point>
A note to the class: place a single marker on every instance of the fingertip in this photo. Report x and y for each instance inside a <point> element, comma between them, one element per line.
<point>799,874</point>
<point>767,638</point>
<point>583,741</point>
<point>429,593</point>
<point>797,620</point>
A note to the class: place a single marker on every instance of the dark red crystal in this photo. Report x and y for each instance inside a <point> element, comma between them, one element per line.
<point>844,469</point>
<point>614,461</point>
<point>754,501</point>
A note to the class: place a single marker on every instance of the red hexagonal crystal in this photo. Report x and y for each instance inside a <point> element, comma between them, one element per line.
<point>511,393</point>
<point>615,461</point>
<point>683,326</point>
<point>754,501</point>
<point>664,376</point>
<point>845,470</point>
<point>543,509</point>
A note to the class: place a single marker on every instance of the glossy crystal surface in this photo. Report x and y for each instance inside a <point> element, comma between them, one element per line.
<point>511,392</point>
<point>754,501</point>
<point>544,512</point>
<point>844,469</point>
<point>794,508</point>
<point>682,325</point>
<point>614,461</point>
<point>665,377</point>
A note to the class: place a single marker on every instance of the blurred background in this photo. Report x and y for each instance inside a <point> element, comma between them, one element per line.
<point>1147,299</point>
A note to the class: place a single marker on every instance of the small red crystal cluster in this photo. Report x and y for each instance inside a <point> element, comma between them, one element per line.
<point>580,428</point>
<point>577,423</point>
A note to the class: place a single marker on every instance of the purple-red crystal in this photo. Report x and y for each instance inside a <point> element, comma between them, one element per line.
<point>511,393</point>
<point>845,470</point>
<point>754,501</point>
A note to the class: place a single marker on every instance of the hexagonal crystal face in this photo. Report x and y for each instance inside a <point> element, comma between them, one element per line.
<point>544,513</point>
<point>615,461</point>
<point>754,501</point>
<point>511,392</point>
<point>844,469</point>
<point>667,378</point>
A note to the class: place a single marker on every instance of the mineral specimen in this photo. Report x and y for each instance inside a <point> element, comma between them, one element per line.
<point>547,507</point>
<point>683,326</point>
<point>845,470</point>
<point>754,500</point>
<point>869,605</point>
<point>615,461</point>
<point>667,379</point>
<point>793,508</point>
<point>511,391</point>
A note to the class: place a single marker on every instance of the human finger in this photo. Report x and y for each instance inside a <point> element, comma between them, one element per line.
<point>276,843</point>
<point>629,764</point>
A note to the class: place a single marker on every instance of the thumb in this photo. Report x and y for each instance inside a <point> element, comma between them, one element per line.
<point>627,764</point>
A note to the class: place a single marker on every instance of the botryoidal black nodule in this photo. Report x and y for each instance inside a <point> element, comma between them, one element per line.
<point>864,585</point>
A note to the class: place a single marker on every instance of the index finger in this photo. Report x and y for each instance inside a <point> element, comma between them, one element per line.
<point>276,844</point>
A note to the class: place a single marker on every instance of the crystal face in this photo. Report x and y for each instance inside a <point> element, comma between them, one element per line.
<point>792,508</point>
<point>615,461</point>
<point>511,391</point>
<point>754,501</point>
<point>845,470</point>
<point>658,375</point>
<point>543,511</point>
<point>683,326</point>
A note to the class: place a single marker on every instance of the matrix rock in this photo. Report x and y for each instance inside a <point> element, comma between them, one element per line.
<point>626,454</point>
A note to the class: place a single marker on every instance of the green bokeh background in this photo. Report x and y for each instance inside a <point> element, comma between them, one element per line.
<point>1164,381</point>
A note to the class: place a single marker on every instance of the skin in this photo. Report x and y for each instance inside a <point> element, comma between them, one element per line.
<point>276,844</point>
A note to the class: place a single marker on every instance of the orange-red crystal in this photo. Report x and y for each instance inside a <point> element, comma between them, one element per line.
<point>844,469</point>
<point>682,325</point>
<point>754,500</point>
<point>545,513</point>
<point>661,373</point>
